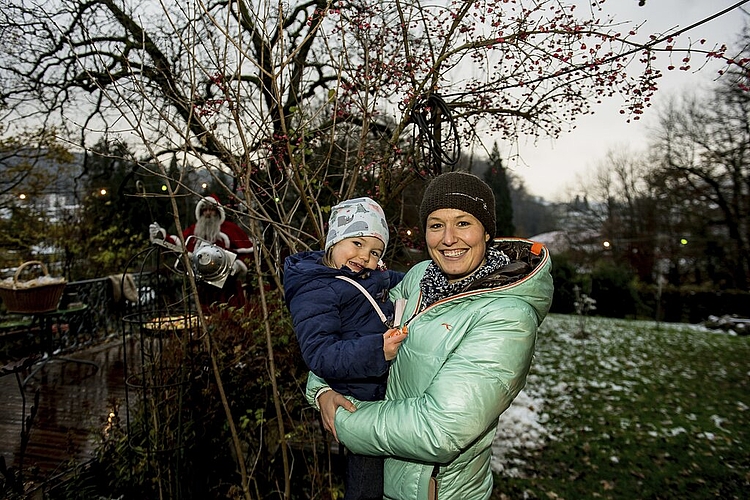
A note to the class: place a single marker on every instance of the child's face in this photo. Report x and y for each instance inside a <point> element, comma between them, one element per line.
<point>357,253</point>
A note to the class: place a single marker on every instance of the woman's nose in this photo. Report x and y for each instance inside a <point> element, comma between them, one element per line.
<point>449,236</point>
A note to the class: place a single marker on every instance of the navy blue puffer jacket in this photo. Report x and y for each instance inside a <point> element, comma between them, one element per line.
<point>339,331</point>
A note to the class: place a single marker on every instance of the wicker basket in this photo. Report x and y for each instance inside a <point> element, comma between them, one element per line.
<point>24,297</point>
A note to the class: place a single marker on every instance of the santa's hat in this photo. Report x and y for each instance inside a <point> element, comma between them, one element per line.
<point>211,199</point>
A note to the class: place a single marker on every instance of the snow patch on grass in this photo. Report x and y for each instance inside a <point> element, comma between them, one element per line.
<point>520,427</point>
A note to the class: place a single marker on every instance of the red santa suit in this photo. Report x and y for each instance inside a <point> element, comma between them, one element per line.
<point>211,226</point>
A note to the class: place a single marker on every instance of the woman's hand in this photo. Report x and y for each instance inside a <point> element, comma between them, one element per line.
<point>328,402</point>
<point>392,341</point>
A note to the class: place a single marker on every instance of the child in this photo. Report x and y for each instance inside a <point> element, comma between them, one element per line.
<point>341,328</point>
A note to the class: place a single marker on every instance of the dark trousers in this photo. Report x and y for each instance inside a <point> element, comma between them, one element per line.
<point>364,477</point>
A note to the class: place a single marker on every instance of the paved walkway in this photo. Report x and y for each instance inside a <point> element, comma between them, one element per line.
<point>75,404</point>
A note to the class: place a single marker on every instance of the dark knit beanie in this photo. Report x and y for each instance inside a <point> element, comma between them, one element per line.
<point>462,191</point>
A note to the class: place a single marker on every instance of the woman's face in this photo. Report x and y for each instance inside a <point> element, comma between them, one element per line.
<point>357,253</point>
<point>456,242</point>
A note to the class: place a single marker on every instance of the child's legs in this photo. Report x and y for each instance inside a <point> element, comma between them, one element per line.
<point>364,477</point>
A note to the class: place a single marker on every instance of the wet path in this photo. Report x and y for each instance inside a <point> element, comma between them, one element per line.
<point>75,401</point>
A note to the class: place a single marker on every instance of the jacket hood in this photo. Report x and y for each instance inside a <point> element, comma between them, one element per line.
<point>301,267</point>
<point>298,269</point>
<point>528,276</point>
<point>295,267</point>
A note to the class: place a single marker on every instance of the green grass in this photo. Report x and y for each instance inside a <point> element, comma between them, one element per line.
<point>637,412</point>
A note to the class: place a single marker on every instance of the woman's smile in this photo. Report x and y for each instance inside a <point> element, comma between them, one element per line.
<point>454,253</point>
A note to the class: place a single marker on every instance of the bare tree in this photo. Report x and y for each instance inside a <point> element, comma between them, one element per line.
<point>30,163</point>
<point>629,216</point>
<point>705,164</point>
<point>302,98</point>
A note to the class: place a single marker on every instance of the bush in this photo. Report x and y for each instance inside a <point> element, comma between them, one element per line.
<point>691,304</point>
<point>565,277</point>
<point>612,287</point>
<point>204,465</point>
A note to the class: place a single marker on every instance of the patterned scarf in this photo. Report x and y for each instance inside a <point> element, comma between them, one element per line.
<point>435,286</point>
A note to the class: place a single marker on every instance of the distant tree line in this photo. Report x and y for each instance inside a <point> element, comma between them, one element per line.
<point>675,219</point>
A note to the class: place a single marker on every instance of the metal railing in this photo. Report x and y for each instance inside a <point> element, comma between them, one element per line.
<point>89,312</point>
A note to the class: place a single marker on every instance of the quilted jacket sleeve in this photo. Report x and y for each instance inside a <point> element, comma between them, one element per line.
<point>314,384</point>
<point>317,324</point>
<point>477,382</point>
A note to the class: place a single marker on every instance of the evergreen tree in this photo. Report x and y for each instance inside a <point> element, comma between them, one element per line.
<point>497,178</point>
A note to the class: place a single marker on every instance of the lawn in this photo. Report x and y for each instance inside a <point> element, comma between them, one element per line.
<point>634,410</point>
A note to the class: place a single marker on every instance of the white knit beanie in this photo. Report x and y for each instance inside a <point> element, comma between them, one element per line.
<point>356,217</point>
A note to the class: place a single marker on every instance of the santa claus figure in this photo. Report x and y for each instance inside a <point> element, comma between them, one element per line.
<point>211,227</point>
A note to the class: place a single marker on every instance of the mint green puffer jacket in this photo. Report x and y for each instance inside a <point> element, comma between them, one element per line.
<point>464,361</point>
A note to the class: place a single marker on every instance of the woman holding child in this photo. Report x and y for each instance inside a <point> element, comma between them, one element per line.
<point>472,313</point>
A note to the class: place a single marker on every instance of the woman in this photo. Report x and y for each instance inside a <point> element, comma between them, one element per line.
<point>472,313</point>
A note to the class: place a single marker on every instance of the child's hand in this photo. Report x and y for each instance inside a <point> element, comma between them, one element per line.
<point>392,341</point>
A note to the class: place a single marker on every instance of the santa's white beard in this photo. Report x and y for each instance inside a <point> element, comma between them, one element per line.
<point>208,228</point>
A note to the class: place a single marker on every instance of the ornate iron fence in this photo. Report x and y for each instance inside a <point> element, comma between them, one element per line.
<point>91,310</point>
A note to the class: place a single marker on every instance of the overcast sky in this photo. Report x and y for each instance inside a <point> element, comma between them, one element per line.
<point>555,169</point>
